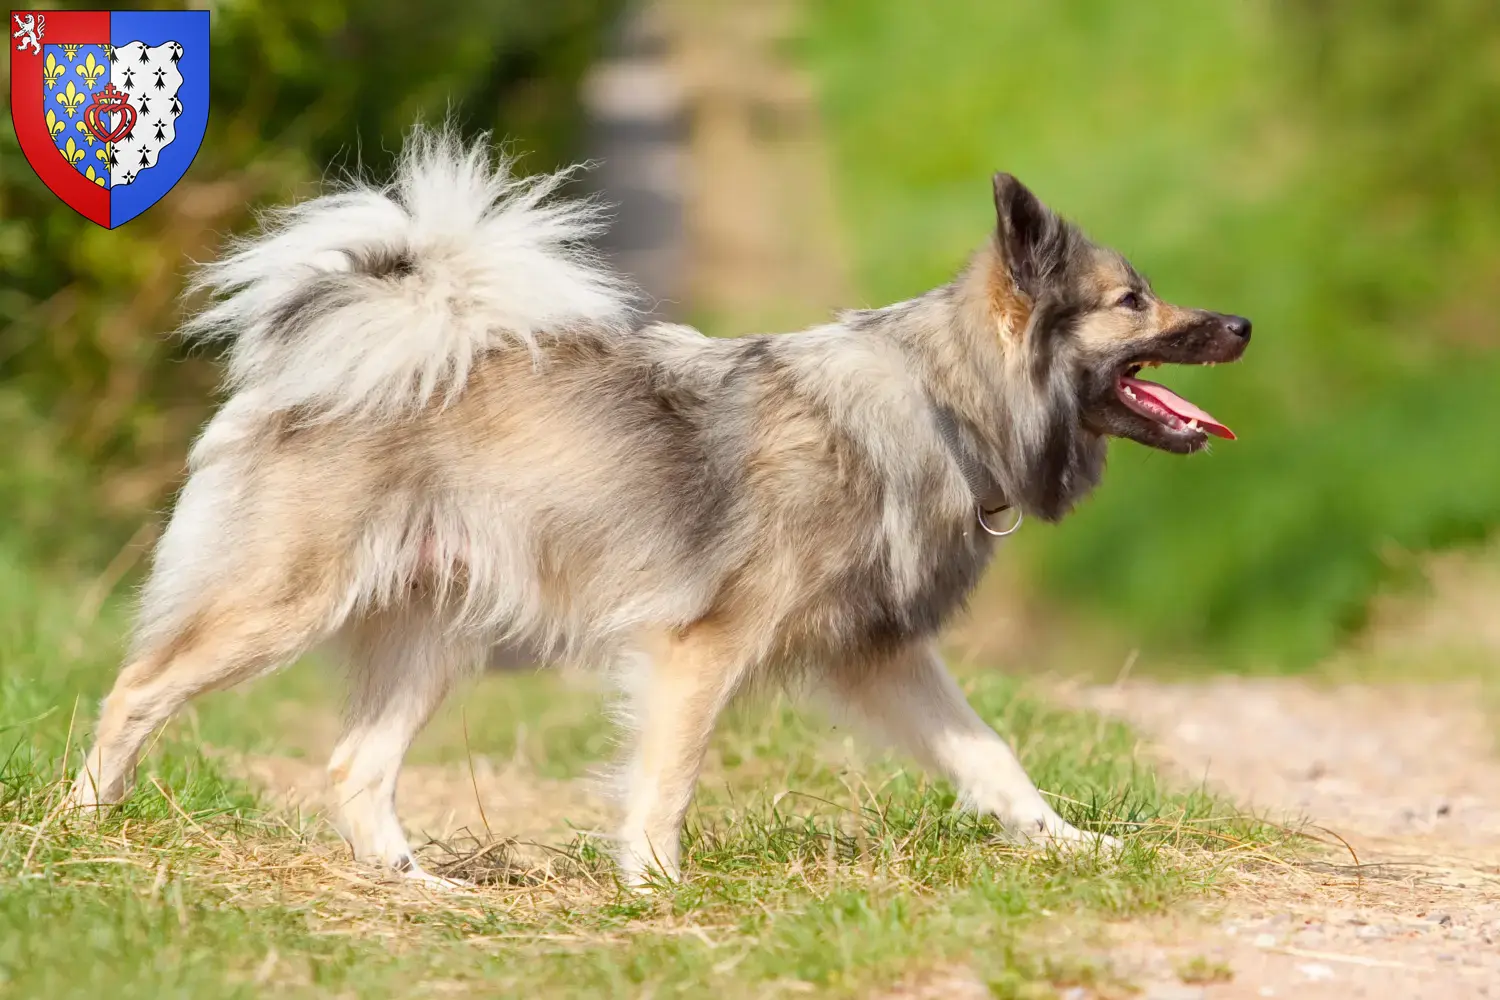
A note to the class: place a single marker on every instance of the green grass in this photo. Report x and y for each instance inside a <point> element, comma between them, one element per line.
<point>1199,139</point>
<point>808,862</point>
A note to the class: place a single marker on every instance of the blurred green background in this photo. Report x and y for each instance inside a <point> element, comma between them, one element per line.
<point>1326,167</point>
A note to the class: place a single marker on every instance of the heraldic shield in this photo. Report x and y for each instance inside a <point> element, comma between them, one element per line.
<point>109,106</point>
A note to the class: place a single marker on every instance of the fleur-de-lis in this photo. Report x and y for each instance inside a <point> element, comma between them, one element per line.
<point>82,127</point>
<point>56,124</point>
<point>96,178</point>
<point>91,70</point>
<point>71,51</point>
<point>105,155</point>
<point>72,152</point>
<point>71,98</point>
<point>51,70</point>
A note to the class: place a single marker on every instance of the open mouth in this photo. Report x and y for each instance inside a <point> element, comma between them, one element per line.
<point>1160,404</point>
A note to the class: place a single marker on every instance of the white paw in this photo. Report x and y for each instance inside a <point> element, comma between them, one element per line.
<point>84,795</point>
<point>648,877</point>
<point>648,885</point>
<point>428,880</point>
<point>1080,841</point>
<point>1053,831</point>
<point>645,869</point>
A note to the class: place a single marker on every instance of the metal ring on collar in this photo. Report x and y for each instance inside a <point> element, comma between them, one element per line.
<point>1008,531</point>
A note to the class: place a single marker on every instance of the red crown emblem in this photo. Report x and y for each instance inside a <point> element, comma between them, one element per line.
<point>109,101</point>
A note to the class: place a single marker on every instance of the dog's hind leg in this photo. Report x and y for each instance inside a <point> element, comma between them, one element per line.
<point>233,635</point>
<point>912,700</point>
<point>402,663</point>
<point>673,699</point>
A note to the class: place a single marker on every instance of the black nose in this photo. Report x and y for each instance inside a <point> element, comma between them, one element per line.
<point>1237,325</point>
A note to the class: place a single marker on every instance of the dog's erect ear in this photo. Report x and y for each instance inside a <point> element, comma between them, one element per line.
<point>1033,239</point>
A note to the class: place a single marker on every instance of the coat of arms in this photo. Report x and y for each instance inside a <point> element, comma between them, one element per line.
<point>110,107</point>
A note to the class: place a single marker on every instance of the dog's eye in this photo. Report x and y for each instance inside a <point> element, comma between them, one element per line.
<point>1129,300</point>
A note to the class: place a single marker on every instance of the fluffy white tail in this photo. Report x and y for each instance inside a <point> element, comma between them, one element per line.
<point>370,301</point>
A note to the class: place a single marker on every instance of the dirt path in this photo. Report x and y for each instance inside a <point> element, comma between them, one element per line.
<point>1406,775</point>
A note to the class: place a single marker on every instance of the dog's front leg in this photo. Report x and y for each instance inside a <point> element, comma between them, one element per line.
<point>674,694</point>
<point>914,702</point>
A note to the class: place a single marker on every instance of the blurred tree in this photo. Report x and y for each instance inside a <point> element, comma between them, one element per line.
<point>1409,97</point>
<point>1414,87</point>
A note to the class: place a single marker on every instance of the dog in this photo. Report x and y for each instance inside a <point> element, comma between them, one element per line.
<point>448,430</point>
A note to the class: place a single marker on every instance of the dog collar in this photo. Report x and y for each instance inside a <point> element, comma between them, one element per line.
<point>985,490</point>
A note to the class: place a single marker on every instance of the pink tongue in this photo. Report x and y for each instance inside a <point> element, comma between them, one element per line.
<point>1184,409</point>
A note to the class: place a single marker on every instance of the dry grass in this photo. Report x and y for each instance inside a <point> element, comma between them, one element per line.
<point>802,869</point>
